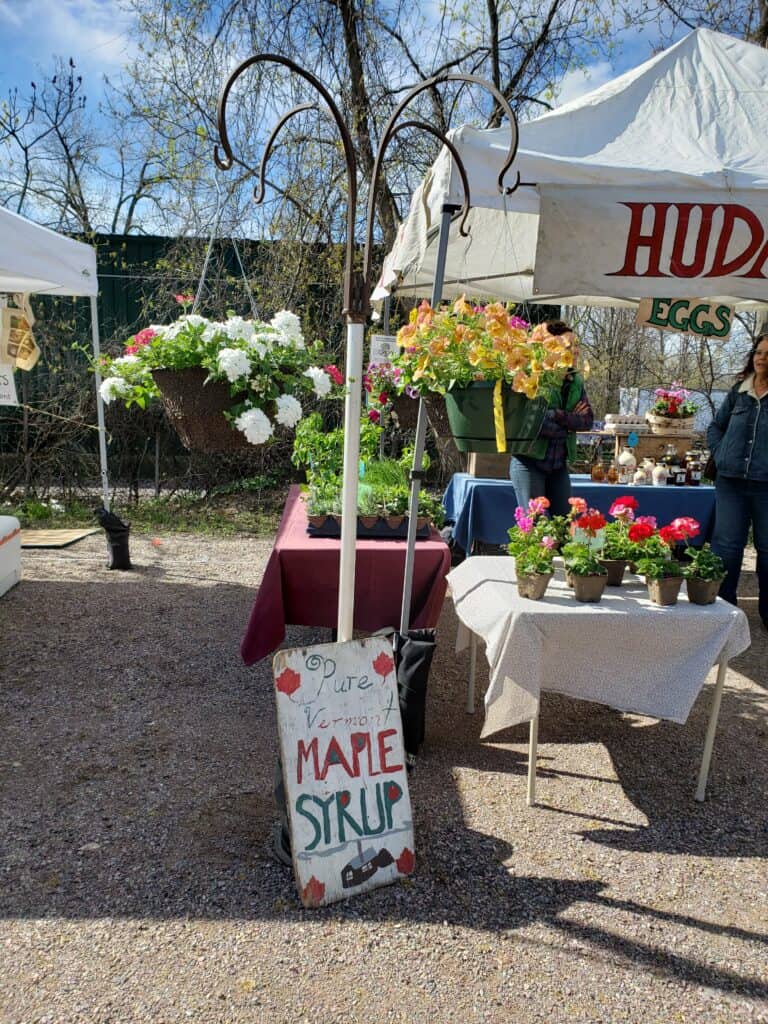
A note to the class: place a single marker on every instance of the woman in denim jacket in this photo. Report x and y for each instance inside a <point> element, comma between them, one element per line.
<point>738,440</point>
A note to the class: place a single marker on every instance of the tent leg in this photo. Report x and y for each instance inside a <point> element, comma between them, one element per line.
<point>421,433</point>
<point>352,408</point>
<point>99,404</point>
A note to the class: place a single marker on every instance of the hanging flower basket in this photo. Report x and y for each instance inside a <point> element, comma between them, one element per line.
<point>196,410</point>
<point>483,422</point>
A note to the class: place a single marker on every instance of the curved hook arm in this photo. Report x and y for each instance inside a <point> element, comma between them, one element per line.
<point>391,130</point>
<point>354,301</point>
<point>368,251</point>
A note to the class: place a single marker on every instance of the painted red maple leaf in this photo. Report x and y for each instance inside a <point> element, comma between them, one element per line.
<point>313,892</point>
<point>406,862</point>
<point>288,681</point>
<point>383,664</point>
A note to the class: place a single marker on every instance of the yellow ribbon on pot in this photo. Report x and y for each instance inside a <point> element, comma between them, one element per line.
<point>498,418</point>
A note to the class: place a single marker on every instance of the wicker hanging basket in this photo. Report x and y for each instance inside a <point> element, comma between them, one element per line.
<point>196,410</point>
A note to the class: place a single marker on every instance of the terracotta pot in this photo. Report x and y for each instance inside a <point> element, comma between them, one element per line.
<point>394,522</point>
<point>664,591</point>
<point>533,587</point>
<point>368,521</point>
<point>569,578</point>
<point>702,591</point>
<point>615,567</point>
<point>317,521</point>
<point>589,588</point>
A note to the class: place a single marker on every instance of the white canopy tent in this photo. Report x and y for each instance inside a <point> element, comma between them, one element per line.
<point>689,125</point>
<point>36,259</point>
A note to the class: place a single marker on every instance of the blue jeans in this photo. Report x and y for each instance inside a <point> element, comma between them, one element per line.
<point>737,504</point>
<point>531,482</point>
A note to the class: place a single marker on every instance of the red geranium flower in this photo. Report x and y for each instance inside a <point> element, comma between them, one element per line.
<point>334,373</point>
<point>591,521</point>
<point>670,534</point>
<point>686,526</point>
<point>640,531</point>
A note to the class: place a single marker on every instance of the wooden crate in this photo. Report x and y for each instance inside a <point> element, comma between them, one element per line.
<point>653,445</point>
<point>488,465</point>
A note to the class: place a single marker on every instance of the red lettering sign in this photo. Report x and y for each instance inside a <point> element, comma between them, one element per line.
<point>694,233</point>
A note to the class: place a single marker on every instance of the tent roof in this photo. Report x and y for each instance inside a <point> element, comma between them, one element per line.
<point>693,118</point>
<point>36,259</point>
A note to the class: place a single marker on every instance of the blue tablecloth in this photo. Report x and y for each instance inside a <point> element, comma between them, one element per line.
<point>483,510</point>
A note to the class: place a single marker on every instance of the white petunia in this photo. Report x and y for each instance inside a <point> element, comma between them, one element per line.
<point>238,329</point>
<point>113,387</point>
<point>255,425</point>
<point>289,411</point>
<point>321,381</point>
<point>234,362</point>
<point>125,360</point>
<point>212,329</point>
<point>289,325</point>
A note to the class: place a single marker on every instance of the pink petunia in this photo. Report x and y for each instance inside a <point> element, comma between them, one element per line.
<point>548,542</point>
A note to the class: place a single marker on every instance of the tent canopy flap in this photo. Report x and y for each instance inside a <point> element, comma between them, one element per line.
<point>688,126</point>
<point>36,259</point>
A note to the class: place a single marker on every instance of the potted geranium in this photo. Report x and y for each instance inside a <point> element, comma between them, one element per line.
<point>703,574</point>
<point>617,548</point>
<point>587,573</point>
<point>663,573</point>
<point>673,411</point>
<point>224,384</point>
<point>495,373</point>
<point>532,544</point>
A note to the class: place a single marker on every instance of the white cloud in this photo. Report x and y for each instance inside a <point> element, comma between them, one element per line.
<point>578,83</point>
<point>96,34</point>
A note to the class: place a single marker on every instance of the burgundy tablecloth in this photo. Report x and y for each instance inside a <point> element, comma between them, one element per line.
<point>301,583</point>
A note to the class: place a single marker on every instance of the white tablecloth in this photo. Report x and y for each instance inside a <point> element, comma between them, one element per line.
<point>624,652</point>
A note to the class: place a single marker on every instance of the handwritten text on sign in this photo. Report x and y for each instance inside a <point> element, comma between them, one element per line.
<point>686,316</point>
<point>343,762</point>
<point>7,385</point>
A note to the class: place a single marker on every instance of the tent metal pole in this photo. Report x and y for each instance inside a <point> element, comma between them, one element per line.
<point>352,409</point>
<point>421,431</point>
<point>99,403</point>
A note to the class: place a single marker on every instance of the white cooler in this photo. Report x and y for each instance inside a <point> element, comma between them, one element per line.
<point>10,552</point>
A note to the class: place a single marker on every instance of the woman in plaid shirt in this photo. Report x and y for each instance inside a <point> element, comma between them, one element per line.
<point>540,468</point>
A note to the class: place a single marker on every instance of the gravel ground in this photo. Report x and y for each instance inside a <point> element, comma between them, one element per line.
<point>136,760</point>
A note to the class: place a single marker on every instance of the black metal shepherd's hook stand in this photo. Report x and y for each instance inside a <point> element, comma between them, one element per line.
<point>357,291</point>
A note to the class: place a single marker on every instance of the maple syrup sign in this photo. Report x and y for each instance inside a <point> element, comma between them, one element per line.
<point>628,245</point>
<point>341,746</point>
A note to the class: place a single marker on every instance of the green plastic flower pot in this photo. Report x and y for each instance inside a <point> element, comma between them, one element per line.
<point>470,415</point>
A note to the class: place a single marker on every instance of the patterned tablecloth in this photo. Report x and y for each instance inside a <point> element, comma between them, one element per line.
<point>624,652</point>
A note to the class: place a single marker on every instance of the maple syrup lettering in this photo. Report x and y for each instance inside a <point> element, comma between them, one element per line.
<point>334,820</point>
<point>690,227</point>
<point>366,756</point>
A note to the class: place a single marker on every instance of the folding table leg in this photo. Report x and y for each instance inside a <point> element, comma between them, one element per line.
<point>709,741</point>
<point>533,743</point>
<point>472,673</point>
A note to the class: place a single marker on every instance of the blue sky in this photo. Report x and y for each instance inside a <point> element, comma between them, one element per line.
<point>97,34</point>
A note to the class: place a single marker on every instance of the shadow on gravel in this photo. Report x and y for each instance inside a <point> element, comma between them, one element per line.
<point>136,761</point>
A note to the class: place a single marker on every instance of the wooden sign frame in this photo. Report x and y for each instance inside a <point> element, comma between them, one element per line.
<point>343,763</point>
